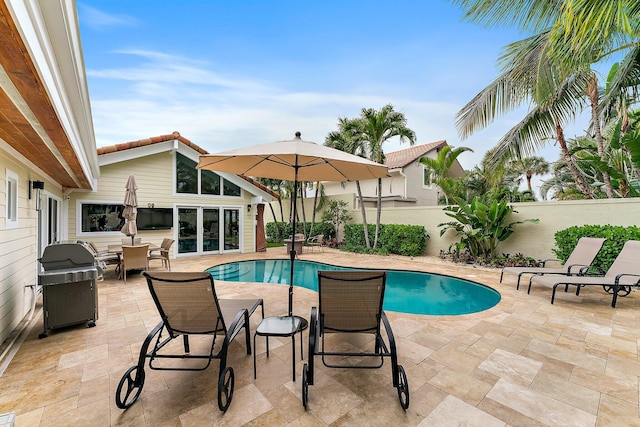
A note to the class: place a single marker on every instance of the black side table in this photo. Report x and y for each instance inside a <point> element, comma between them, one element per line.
<point>280,326</point>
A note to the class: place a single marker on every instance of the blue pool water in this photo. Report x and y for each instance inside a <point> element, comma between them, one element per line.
<point>407,291</point>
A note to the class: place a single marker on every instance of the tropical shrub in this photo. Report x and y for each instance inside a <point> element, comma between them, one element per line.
<point>567,239</point>
<point>481,226</point>
<point>325,228</point>
<point>401,239</point>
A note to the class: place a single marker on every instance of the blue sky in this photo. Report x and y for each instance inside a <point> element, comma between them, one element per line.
<point>227,74</point>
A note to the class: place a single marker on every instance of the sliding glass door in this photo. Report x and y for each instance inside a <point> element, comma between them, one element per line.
<point>202,231</point>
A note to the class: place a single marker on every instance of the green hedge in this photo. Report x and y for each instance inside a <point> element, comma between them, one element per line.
<point>408,240</point>
<point>567,239</point>
<point>325,228</point>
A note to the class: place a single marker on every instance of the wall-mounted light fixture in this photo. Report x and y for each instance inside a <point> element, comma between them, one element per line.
<point>150,205</point>
<point>249,208</point>
<point>39,186</point>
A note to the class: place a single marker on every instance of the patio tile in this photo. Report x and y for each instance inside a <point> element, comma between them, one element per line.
<point>454,412</point>
<point>523,362</point>
<point>530,403</point>
<point>463,386</point>
<point>583,398</point>
<point>511,366</point>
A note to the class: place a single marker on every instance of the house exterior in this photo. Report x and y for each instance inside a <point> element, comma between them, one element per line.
<point>49,165</point>
<point>204,212</point>
<point>409,183</point>
<point>47,145</point>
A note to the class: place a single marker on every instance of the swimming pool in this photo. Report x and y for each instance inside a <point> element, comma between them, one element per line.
<point>407,291</point>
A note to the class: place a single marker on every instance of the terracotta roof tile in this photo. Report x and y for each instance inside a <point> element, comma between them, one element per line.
<point>175,135</point>
<point>150,141</point>
<point>401,158</point>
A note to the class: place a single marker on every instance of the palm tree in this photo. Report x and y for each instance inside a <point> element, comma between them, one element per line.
<point>529,166</point>
<point>440,165</point>
<point>275,185</point>
<point>577,34</point>
<point>528,76</point>
<point>318,203</point>
<point>371,130</point>
<point>343,139</point>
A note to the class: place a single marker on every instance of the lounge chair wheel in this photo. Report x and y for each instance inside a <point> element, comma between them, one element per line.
<point>403,388</point>
<point>133,387</point>
<point>225,388</point>
<point>623,291</point>
<point>305,386</point>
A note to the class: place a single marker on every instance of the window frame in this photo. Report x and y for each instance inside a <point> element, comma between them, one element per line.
<point>426,169</point>
<point>223,183</point>
<point>80,219</point>
<point>12,193</point>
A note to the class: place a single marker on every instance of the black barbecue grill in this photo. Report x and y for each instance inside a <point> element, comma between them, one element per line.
<point>69,294</point>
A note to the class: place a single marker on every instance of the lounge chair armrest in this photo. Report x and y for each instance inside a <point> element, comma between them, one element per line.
<point>239,321</point>
<point>576,268</point>
<point>621,275</point>
<point>545,261</point>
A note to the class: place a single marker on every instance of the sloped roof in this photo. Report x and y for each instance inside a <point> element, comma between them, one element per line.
<point>150,141</point>
<point>401,158</point>
<point>171,137</point>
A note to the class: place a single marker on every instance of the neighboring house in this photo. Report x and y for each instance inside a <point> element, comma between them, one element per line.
<point>409,184</point>
<point>47,146</point>
<point>204,212</point>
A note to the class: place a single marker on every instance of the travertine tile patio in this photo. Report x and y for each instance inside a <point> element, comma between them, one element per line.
<point>523,362</point>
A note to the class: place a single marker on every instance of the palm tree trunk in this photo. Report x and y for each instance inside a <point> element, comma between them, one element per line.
<point>315,206</point>
<point>275,220</point>
<point>363,212</point>
<point>304,213</point>
<point>580,181</point>
<point>378,213</point>
<point>595,120</point>
<point>529,175</point>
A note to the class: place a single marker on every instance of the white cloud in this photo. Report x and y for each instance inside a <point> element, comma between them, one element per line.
<point>98,19</point>
<point>169,93</point>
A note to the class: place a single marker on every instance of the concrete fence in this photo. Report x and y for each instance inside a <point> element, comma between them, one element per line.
<point>531,239</point>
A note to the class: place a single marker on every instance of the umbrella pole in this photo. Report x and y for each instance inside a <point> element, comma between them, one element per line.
<point>292,252</point>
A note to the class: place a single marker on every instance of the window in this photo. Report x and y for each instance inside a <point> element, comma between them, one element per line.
<point>427,180</point>
<point>230,189</point>
<point>186,175</point>
<point>97,217</point>
<point>12,199</point>
<point>210,182</point>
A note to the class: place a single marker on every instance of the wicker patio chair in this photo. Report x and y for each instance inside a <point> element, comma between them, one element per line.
<point>134,258</point>
<point>162,253</point>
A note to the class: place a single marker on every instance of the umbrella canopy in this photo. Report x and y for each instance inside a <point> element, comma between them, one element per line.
<point>294,160</point>
<point>130,211</point>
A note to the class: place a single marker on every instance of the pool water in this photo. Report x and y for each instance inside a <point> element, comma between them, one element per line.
<point>406,291</point>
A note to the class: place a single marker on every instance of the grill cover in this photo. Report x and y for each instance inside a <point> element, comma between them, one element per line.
<point>65,256</point>
<point>66,263</point>
<point>71,269</point>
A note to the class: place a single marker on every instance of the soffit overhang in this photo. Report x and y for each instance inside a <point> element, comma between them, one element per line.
<point>29,121</point>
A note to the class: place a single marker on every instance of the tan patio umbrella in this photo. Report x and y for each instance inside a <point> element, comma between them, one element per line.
<point>130,211</point>
<point>295,160</point>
